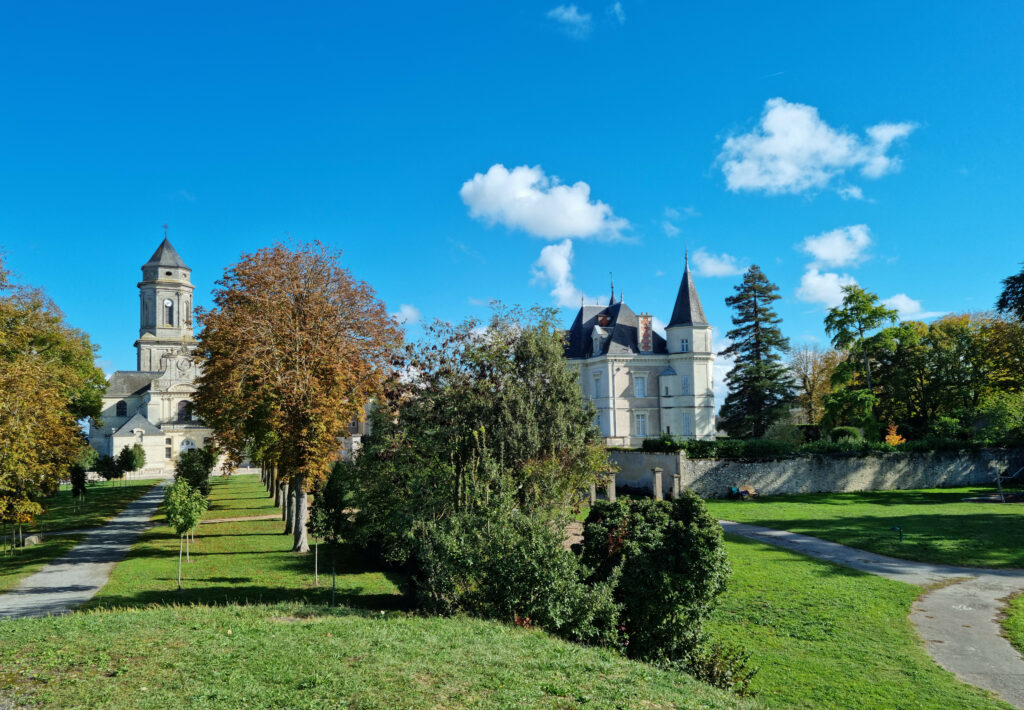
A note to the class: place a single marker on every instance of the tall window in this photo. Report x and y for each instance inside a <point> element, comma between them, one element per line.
<point>597,384</point>
<point>684,346</point>
<point>686,384</point>
<point>639,424</point>
<point>168,311</point>
<point>184,411</point>
<point>121,408</point>
<point>687,425</point>
<point>639,386</point>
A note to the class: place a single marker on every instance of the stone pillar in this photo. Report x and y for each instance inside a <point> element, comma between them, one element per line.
<point>656,471</point>
<point>677,485</point>
<point>610,488</point>
<point>593,493</point>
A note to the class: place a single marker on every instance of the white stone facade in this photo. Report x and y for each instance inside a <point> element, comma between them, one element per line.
<point>152,405</point>
<point>641,384</point>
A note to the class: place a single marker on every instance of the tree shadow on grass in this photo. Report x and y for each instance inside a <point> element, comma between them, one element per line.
<point>200,592</point>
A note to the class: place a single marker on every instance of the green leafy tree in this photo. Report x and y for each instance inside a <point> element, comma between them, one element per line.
<point>760,383</point>
<point>124,462</point>
<point>850,323</point>
<point>329,515</point>
<point>1011,300</point>
<point>78,473</point>
<point>195,467</point>
<point>184,507</point>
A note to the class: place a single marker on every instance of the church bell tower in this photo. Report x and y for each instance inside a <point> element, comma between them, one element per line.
<point>165,309</point>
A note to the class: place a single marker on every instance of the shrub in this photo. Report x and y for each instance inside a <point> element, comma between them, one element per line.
<point>845,432</point>
<point>786,432</point>
<point>512,568</point>
<point>767,449</point>
<point>667,564</point>
<point>107,468</point>
<point>700,449</point>
<point>723,666</point>
<point>730,448</point>
<point>892,436</point>
<point>946,428</point>
<point>194,467</point>
<point>664,444</point>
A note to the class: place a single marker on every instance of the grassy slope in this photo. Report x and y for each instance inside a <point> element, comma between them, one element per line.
<point>30,559</point>
<point>937,525</point>
<point>828,636</point>
<point>278,657</point>
<point>103,500</point>
<point>248,561</point>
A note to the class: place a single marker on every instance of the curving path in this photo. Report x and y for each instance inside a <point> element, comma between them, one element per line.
<point>957,621</point>
<point>75,578</point>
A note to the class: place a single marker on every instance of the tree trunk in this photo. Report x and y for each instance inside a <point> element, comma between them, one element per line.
<point>316,562</point>
<point>289,508</point>
<point>181,542</point>
<point>300,517</point>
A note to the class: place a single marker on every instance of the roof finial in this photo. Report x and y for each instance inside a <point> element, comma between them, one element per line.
<point>686,259</point>
<point>165,230</point>
<point>612,278</point>
<point>620,295</point>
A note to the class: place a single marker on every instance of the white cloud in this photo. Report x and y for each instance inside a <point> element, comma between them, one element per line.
<point>792,150</point>
<point>659,325</point>
<point>909,308</point>
<point>850,192</point>
<point>617,13</point>
<point>824,288</point>
<point>839,247</point>
<point>659,272</point>
<point>527,199</point>
<point>407,314</point>
<point>574,23</point>
<point>670,229</point>
<point>709,264</point>
<point>554,267</point>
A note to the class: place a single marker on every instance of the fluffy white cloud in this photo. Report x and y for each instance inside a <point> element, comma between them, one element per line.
<point>554,267</point>
<point>909,308</point>
<point>527,199</point>
<point>824,288</point>
<point>839,247</point>
<point>793,150</point>
<point>407,313</point>
<point>850,192</point>
<point>671,230</point>
<point>573,22</point>
<point>617,13</point>
<point>709,264</point>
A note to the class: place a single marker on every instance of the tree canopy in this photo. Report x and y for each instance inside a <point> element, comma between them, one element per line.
<point>1011,300</point>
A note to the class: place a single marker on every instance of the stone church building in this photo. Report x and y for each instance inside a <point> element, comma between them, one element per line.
<point>642,384</point>
<point>152,405</point>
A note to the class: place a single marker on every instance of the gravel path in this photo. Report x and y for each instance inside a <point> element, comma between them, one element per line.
<point>74,578</point>
<point>958,621</point>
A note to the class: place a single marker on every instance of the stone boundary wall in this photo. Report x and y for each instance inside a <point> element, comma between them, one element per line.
<point>712,478</point>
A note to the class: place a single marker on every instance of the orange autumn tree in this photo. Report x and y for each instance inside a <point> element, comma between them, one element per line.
<point>294,348</point>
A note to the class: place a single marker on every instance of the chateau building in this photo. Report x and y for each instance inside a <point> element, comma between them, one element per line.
<point>642,384</point>
<point>152,405</point>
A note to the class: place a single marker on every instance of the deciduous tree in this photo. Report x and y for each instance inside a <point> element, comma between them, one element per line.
<point>296,346</point>
<point>812,369</point>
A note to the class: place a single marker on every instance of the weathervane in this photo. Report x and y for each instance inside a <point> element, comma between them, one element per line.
<point>165,231</point>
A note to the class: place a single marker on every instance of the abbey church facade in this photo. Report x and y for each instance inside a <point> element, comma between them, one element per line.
<point>642,384</point>
<point>152,405</point>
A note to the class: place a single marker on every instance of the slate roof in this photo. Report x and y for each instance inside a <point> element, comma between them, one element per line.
<point>124,383</point>
<point>137,422</point>
<point>687,310</point>
<point>165,255</point>
<point>621,324</point>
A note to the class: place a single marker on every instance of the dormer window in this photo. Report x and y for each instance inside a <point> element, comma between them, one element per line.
<point>598,338</point>
<point>121,409</point>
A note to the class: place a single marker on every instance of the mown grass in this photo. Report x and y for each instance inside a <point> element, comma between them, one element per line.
<point>242,562</point>
<point>825,636</point>
<point>1013,622</point>
<point>14,568</point>
<point>103,500</point>
<point>289,656</point>
<point>938,525</point>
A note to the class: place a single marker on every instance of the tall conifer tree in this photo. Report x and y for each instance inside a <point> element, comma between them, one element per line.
<point>760,384</point>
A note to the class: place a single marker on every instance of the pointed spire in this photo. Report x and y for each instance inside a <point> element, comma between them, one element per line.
<point>687,310</point>
<point>611,302</point>
<point>620,295</point>
<point>166,255</point>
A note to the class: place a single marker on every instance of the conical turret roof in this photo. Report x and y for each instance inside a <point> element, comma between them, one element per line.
<point>166,255</point>
<point>687,310</point>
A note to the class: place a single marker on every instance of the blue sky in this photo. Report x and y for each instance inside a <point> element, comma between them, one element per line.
<point>825,142</point>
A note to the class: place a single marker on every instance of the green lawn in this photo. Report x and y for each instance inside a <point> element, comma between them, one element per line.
<point>824,636</point>
<point>103,500</point>
<point>938,526</point>
<point>25,561</point>
<point>287,656</point>
<point>242,562</point>
<point>1013,622</point>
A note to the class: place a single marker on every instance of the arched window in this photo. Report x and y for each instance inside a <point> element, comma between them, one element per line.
<point>168,311</point>
<point>184,411</point>
<point>187,445</point>
<point>121,408</point>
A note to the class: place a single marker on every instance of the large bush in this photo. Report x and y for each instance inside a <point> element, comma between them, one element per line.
<point>667,564</point>
<point>845,432</point>
<point>513,568</point>
<point>195,467</point>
